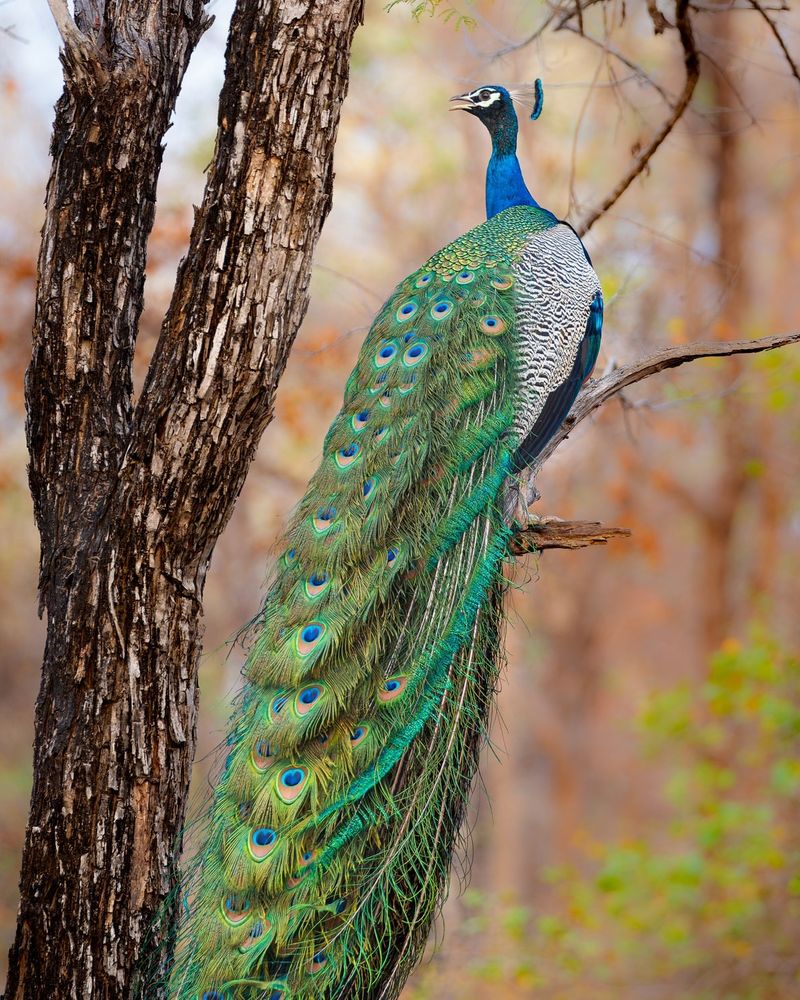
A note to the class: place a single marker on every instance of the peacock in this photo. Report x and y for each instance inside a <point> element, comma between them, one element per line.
<point>370,677</point>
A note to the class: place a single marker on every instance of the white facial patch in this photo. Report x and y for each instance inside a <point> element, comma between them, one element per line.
<point>486,102</point>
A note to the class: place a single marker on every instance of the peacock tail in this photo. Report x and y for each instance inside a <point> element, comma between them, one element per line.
<point>368,685</point>
<point>353,747</point>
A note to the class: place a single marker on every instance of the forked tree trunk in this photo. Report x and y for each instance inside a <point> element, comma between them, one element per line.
<point>131,500</point>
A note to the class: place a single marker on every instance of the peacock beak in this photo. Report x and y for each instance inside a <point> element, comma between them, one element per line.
<point>461,102</point>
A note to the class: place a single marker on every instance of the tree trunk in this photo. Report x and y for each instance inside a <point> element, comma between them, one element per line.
<point>721,563</point>
<point>130,501</point>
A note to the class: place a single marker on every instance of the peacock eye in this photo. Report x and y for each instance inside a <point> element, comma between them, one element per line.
<point>485,95</point>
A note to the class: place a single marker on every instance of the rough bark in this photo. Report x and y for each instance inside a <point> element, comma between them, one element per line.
<point>129,502</point>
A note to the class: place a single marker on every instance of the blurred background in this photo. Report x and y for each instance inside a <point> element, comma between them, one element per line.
<point>637,830</point>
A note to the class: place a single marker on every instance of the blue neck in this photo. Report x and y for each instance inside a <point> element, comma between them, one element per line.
<point>505,185</point>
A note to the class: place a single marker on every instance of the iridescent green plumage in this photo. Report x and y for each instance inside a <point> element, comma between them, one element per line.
<point>368,686</point>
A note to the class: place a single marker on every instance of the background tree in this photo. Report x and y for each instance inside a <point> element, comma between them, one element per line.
<point>666,275</point>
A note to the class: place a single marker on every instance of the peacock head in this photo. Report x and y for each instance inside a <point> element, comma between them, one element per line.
<point>490,103</point>
<point>494,106</point>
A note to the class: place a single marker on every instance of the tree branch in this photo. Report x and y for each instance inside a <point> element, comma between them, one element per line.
<point>778,37</point>
<point>599,391</point>
<point>692,65</point>
<point>242,289</point>
<point>107,151</point>
<point>552,533</point>
<point>71,34</point>
<point>560,19</point>
<point>559,15</point>
<point>634,67</point>
<point>660,23</point>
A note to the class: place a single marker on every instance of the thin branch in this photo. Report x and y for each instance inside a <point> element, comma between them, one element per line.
<point>349,278</point>
<point>691,61</point>
<point>637,70</point>
<point>726,76</point>
<point>10,31</point>
<point>599,391</point>
<point>516,46</point>
<point>553,533</point>
<point>707,8</point>
<point>573,160</point>
<point>561,22</point>
<point>660,23</point>
<point>559,19</point>
<point>71,34</point>
<point>778,37</point>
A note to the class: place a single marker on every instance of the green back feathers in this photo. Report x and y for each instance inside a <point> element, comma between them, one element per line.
<point>367,688</point>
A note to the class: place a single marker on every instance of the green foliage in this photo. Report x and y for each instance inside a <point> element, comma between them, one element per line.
<point>707,904</point>
<point>781,370</point>
<point>434,8</point>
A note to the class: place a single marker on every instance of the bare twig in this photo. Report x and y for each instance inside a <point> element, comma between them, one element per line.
<point>732,8</point>
<point>353,281</point>
<point>691,62</point>
<point>599,391</point>
<point>10,31</point>
<point>778,37</point>
<point>726,76</point>
<point>637,70</point>
<point>537,34</point>
<point>573,160</point>
<point>558,15</point>
<point>71,34</point>
<point>553,533</point>
<point>660,23</point>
